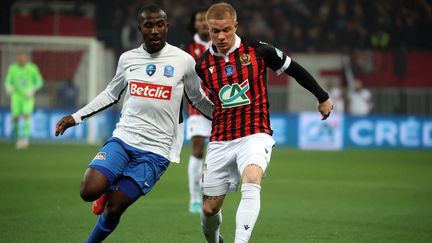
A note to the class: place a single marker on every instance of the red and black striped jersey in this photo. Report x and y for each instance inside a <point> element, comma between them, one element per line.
<point>238,87</point>
<point>196,48</point>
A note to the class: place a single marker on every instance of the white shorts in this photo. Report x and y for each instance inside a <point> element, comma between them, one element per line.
<point>226,160</point>
<point>198,125</point>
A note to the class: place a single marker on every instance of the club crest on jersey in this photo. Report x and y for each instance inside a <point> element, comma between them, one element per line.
<point>100,156</point>
<point>229,70</point>
<point>233,95</point>
<point>245,59</point>
<point>150,69</point>
<point>169,71</point>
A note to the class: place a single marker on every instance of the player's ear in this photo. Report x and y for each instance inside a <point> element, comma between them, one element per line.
<point>236,25</point>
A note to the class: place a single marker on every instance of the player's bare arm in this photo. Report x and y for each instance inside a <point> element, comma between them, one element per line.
<point>325,108</point>
<point>63,124</point>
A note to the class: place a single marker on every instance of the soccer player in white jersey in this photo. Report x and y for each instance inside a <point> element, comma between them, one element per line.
<point>149,134</point>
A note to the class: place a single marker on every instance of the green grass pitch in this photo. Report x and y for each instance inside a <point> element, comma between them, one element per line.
<point>308,196</point>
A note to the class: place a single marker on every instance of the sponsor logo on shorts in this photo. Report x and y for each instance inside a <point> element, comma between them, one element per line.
<point>154,91</point>
<point>100,156</point>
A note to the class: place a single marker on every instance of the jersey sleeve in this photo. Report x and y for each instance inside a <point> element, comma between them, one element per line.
<point>193,91</point>
<point>106,98</point>
<point>37,78</point>
<point>273,57</point>
<point>305,79</point>
<point>8,80</point>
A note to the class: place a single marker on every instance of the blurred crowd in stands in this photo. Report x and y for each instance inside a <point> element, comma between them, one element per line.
<point>292,25</point>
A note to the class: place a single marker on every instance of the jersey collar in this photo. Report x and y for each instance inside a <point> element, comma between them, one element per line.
<point>144,50</point>
<point>225,56</point>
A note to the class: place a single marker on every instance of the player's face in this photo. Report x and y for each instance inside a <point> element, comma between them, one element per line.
<point>201,25</point>
<point>21,59</point>
<point>154,29</point>
<point>222,33</point>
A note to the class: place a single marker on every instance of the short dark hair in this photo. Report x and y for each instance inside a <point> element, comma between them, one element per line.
<point>191,23</point>
<point>150,8</point>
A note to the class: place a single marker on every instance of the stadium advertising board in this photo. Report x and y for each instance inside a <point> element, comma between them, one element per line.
<point>316,134</point>
<point>388,132</point>
<point>302,130</point>
<point>44,122</point>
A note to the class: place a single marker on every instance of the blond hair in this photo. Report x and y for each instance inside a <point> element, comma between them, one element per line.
<point>221,11</point>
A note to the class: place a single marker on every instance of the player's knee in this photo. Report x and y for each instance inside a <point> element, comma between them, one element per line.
<point>89,192</point>
<point>93,185</point>
<point>210,210</point>
<point>198,153</point>
<point>254,179</point>
<point>88,195</point>
<point>252,174</point>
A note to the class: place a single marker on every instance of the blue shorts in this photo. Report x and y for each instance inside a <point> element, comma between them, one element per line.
<point>117,159</point>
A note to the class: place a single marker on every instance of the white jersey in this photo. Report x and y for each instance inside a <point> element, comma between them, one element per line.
<point>154,83</point>
<point>360,102</point>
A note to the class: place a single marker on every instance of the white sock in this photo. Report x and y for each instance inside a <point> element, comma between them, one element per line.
<point>194,177</point>
<point>247,212</point>
<point>210,226</point>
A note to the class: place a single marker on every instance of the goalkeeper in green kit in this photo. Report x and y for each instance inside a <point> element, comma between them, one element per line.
<point>23,79</point>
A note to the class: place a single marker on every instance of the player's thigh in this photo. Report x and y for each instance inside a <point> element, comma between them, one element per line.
<point>28,107</point>
<point>198,143</point>
<point>255,149</point>
<point>146,168</point>
<point>16,105</point>
<point>220,173</point>
<point>111,160</point>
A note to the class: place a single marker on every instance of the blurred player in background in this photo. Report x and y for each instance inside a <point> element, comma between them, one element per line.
<point>360,99</point>
<point>336,93</point>
<point>23,79</point>
<point>198,127</point>
<point>234,71</point>
<point>150,133</point>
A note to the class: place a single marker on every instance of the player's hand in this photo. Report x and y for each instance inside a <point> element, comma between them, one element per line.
<point>325,108</point>
<point>64,123</point>
<point>9,90</point>
<point>30,93</point>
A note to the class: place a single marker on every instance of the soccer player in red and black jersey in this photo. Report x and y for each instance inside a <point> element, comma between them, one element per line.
<point>234,71</point>
<point>198,127</point>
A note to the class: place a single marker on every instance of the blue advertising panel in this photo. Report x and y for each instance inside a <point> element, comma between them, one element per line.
<point>388,131</point>
<point>285,128</point>
<point>303,130</point>
<point>314,133</point>
<point>44,122</point>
